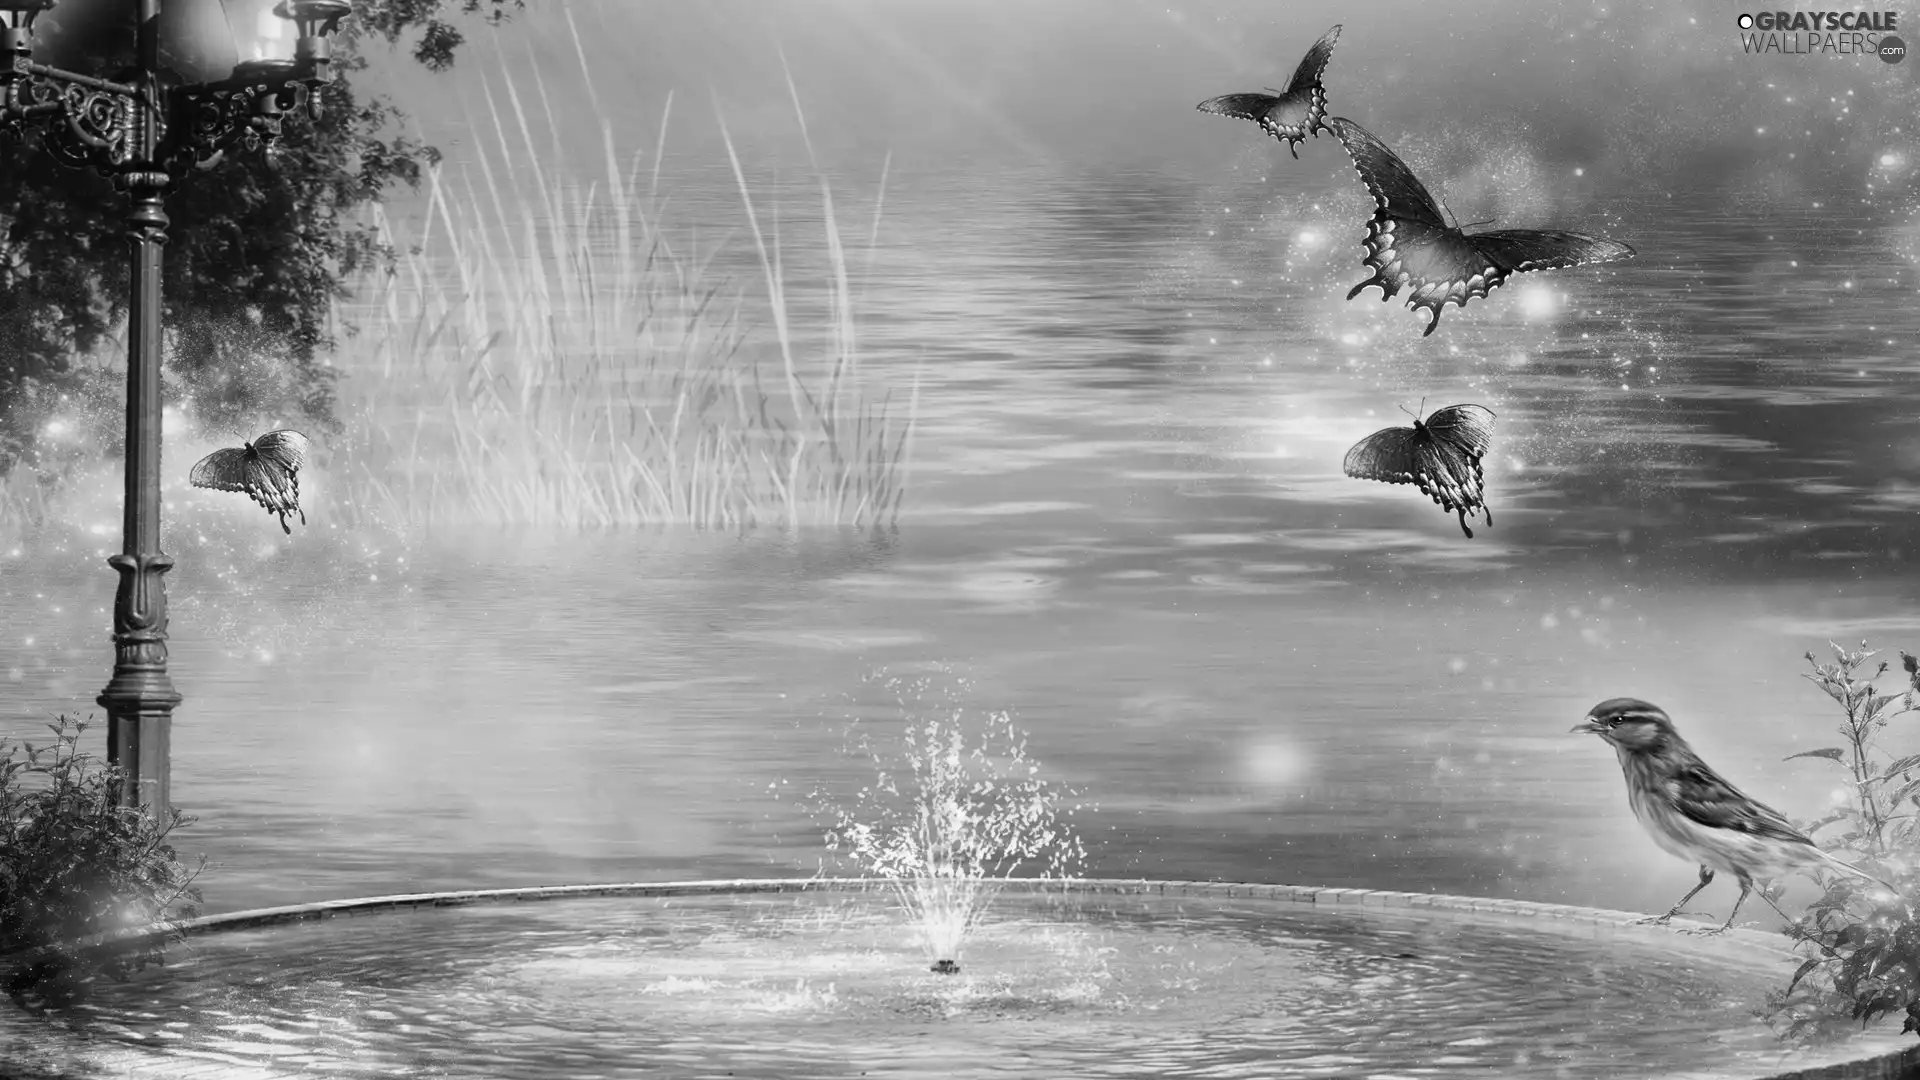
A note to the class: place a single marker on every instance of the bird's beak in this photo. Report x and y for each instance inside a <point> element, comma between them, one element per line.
<point>1590,727</point>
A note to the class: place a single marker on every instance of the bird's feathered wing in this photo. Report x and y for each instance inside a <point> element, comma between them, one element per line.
<point>1707,798</point>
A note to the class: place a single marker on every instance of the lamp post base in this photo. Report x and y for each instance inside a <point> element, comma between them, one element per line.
<point>140,699</point>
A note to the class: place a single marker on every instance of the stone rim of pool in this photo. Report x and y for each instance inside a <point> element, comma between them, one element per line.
<point>1876,1056</point>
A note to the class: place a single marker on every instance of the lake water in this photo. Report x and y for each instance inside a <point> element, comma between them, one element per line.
<point>1128,526</point>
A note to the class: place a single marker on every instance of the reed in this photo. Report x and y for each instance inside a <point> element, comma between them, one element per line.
<point>547,355</point>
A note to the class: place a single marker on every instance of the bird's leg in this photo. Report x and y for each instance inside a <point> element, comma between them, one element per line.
<point>1706,878</point>
<point>1746,886</point>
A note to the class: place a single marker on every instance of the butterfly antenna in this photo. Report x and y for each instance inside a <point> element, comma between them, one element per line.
<point>1471,224</point>
<point>1449,210</point>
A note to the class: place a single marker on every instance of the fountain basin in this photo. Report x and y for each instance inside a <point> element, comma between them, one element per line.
<point>820,977</point>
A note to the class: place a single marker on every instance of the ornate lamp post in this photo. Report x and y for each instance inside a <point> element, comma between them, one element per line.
<point>143,128</point>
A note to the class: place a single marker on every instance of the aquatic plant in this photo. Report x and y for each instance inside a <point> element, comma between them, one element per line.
<point>957,808</point>
<point>547,353</point>
<point>76,871</point>
<point>1863,943</point>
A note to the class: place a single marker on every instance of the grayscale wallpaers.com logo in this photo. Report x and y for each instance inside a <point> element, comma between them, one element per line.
<point>1831,32</point>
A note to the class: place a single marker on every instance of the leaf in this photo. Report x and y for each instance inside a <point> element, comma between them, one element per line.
<point>1803,971</point>
<point>1901,766</point>
<point>1831,753</point>
<point>1906,789</point>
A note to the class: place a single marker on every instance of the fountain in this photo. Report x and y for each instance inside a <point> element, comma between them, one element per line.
<point>956,809</point>
<point>814,977</point>
<point>820,976</point>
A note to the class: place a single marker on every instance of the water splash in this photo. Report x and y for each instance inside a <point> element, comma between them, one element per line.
<point>956,808</point>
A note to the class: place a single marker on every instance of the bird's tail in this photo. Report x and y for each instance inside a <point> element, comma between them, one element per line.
<point>1841,864</point>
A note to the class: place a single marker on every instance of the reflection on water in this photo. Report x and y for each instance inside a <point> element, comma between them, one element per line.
<point>1128,527</point>
<point>822,986</point>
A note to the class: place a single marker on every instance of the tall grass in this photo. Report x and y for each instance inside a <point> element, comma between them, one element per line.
<point>569,365</point>
<point>547,354</point>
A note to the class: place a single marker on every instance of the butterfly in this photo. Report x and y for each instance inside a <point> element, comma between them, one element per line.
<point>1441,456</point>
<point>1410,245</point>
<point>1292,115</point>
<point>267,469</point>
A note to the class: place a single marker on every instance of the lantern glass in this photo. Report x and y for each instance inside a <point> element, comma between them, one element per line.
<point>258,33</point>
<point>98,37</point>
<point>19,14</point>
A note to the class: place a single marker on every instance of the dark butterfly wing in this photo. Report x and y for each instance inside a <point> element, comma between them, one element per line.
<point>286,447</point>
<point>1386,455</point>
<point>1461,435</point>
<point>1451,477</point>
<point>1443,460</point>
<point>1519,250</point>
<point>222,470</point>
<point>1394,187</point>
<point>1293,115</point>
<point>1468,427</point>
<point>1409,245</point>
<point>267,470</point>
<point>1314,65</point>
<point>273,474</point>
<point>1245,106</point>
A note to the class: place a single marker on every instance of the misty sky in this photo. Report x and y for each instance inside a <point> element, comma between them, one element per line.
<point>1632,94</point>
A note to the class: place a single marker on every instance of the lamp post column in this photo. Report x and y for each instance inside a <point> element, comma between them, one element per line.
<point>140,698</point>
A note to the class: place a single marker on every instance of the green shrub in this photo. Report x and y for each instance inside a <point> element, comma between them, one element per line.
<point>77,872</point>
<point>1863,945</point>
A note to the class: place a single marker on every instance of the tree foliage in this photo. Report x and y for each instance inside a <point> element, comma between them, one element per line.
<point>258,251</point>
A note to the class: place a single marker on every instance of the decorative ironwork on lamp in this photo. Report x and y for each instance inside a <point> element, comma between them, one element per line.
<point>142,127</point>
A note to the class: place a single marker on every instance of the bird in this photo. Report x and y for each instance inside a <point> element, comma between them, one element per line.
<point>266,469</point>
<point>1441,456</point>
<point>1693,813</point>
<point>1292,114</point>
<point>1409,244</point>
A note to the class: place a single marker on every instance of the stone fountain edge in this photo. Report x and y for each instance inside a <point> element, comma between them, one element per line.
<point>1873,1057</point>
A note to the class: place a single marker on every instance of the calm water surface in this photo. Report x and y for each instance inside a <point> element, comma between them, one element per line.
<point>827,987</point>
<point>1127,526</point>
